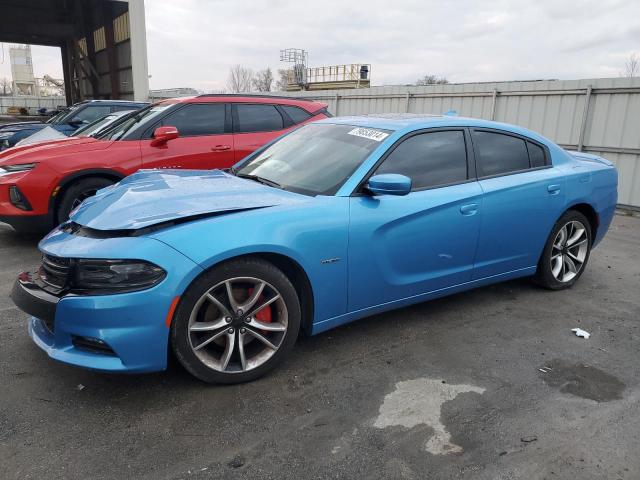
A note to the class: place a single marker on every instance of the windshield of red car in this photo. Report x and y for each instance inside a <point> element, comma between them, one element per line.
<point>316,159</point>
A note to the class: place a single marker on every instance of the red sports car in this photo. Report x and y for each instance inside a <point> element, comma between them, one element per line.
<point>41,184</point>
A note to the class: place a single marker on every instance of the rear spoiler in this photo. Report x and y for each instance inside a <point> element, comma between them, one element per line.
<point>323,109</point>
<point>589,157</point>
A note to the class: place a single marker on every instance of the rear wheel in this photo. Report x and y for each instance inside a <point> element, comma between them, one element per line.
<point>566,252</point>
<point>79,191</point>
<point>236,322</point>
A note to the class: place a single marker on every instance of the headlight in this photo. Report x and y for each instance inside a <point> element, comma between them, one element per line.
<point>5,169</point>
<point>116,276</point>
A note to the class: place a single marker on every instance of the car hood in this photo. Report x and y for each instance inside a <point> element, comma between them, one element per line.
<point>42,151</point>
<point>14,127</point>
<point>152,197</point>
<point>44,134</point>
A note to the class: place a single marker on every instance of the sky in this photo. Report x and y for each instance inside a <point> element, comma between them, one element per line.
<point>194,43</point>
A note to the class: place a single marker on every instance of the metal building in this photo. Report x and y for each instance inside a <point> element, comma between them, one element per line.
<point>102,42</point>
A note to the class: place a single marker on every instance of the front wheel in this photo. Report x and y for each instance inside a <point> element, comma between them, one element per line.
<point>77,193</point>
<point>566,252</point>
<point>236,322</point>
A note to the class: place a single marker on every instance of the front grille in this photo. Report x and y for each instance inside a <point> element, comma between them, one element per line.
<point>54,272</point>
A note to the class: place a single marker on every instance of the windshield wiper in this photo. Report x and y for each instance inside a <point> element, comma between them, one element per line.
<point>258,179</point>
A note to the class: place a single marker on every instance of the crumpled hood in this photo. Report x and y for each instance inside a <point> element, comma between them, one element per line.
<point>150,197</point>
<point>43,151</point>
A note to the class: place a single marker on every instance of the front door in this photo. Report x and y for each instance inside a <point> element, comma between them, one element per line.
<point>203,141</point>
<point>402,246</point>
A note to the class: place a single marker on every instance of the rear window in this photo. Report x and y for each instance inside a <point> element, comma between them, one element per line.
<point>536,155</point>
<point>297,114</point>
<point>500,154</point>
<point>257,118</point>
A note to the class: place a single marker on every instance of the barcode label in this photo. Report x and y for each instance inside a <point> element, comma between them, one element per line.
<point>369,133</point>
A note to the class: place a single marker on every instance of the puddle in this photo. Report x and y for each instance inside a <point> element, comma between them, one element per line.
<point>582,381</point>
<point>420,401</point>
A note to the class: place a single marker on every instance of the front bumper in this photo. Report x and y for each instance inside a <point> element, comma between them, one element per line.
<point>125,332</point>
<point>65,327</point>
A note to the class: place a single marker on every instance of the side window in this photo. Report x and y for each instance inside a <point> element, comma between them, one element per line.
<point>91,113</point>
<point>198,119</point>
<point>500,154</point>
<point>257,118</point>
<point>429,159</point>
<point>298,115</point>
<point>536,155</point>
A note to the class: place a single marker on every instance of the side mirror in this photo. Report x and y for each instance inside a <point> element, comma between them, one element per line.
<point>162,135</point>
<point>389,184</point>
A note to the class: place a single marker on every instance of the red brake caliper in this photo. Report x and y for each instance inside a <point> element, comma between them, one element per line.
<point>263,315</point>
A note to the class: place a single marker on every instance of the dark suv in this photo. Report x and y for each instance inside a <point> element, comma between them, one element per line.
<point>66,121</point>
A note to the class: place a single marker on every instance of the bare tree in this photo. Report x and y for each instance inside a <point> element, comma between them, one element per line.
<point>263,80</point>
<point>431,80</point>
<point>5,84</point>
<point>632,66</point>
<point>239,80</point>
<point>283,79</point>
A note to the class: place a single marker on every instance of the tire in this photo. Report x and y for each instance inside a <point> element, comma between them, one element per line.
<point>562,263</point>
<point>219,345</point>
<point>77,192</point>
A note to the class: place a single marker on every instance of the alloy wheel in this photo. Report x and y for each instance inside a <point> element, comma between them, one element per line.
<point>569,251</point>
<point>81,198</point>
<point>238,325</point>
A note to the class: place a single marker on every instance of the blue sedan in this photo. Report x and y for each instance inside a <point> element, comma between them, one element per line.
<point>338,220</point>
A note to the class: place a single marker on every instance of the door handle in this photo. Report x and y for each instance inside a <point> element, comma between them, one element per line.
<point>220,148</point>
<point>553,189</point>
<point>469,209</point>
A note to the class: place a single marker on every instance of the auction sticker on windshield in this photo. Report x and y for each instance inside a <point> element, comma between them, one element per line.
<point>369,133</point>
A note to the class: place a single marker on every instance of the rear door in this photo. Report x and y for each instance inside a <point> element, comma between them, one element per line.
<point>522,198</point>
<point>205,139</point>
<point>255,124</point>
<point>402,246</point>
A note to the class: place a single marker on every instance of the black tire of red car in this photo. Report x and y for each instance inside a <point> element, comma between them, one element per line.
<point>544,275</point>
<point>76,193</point>
<point>180,332</point>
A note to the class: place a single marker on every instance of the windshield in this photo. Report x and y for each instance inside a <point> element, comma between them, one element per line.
<point>315,159</point>
<point>146,116</point>
<point>97,126</point>
<point>67,115</point>
<point>57,116</point>
<point>93,126</point>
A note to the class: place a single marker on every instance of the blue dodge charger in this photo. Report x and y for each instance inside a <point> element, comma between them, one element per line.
<point>338,220</point>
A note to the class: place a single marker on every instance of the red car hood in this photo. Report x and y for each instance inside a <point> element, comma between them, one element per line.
<point>30,153</point>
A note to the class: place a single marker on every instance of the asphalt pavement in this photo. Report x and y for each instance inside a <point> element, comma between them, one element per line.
<point>487,384</point>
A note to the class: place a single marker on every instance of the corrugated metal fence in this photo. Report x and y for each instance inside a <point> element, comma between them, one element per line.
<point>600,116</point>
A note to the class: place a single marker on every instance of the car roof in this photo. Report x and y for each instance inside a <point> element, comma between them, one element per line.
<point>116,102</point>
<point>308,105</point>
<point>407,122</point>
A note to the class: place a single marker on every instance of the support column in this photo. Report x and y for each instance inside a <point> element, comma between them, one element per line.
<point>112,58</point>
<point>67,74</point>
<point>139,66</point>
<point>585,118</point>
<point>494,101</point>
